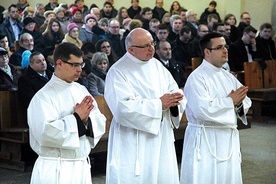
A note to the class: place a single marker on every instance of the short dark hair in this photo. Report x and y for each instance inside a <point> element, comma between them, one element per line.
<point>88,47</point>
<point>157,47</point>
<point>163,26</point>
<point>264,25</point>
<point>249,29</point>
<point>35,53</point>
<point>214,3</point>
<point>185,29</point>
<point>108,3</point>
<point>12,6</point>
<point>64,50</point>
<point>205,41</point>
<point>212,15</point>
<point>2,36</point>
<point>216,25</point>
<point>144,10</point>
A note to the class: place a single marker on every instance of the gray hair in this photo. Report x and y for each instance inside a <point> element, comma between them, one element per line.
<point>97,57</point>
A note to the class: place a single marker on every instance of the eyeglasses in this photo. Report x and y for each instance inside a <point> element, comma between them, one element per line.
<point>251,36</point>
<point>75,65</point>
<point>220,47</point>
<point>145,46</point>
<point>28,41</point>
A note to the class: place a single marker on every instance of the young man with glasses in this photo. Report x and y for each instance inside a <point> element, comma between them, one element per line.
<point>146,104</point>
<point>64,123</point>
<point>211,148</point>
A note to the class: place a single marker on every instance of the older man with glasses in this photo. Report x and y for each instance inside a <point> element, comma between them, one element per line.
<point>147,105</point>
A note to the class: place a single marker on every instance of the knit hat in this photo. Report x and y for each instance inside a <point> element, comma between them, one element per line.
<point>74,10</point>
<point>126,20</point>
<point>46,13</point>
<point>3,51</point>
<point>71,26</point>
<point>90,16</point>
<point>59,9</point>
<point>25,58</point>
<point>28,20</point>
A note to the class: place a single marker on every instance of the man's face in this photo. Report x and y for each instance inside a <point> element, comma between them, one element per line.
<point>211,22</point>
<point>162,34</point>
<point>4,43</point>
<point>221,30</point>
<point>114,27</point>
<point>27,42</point>
<point>246,19</point>
<point>185,38</point>
<point>4,60</point>
<point>88,56</point>
<point>265,33</point>
<point>80,4</point>
<point>192,17</point>
<point>148,15</point>
<point>68,72</point>
<point>134,4</point>
<point>165,51</point>
<point>142,47</point>
<point>96,12</point>
<point>177,25</point>
<point>159,3</point>
<point>41,10</point>
<point>227,30</point>
<point>30,27</point>
<point>249,38</point>
<point>217,57</point>
<point>183,15</point>
<point>54,3</point>
<point>211,8</point>
<point>153,26</point>
<point>14,13</point>
<point>38,63</point>
<point>107,9</point>
<point>203,30</point>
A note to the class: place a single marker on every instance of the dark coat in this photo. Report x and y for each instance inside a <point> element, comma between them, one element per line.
<point>39,44</point>
<point>132,13</point>
<point>204,15</point>
<point>48,6</point>
<point>29,83</point>
<point>116,43</point>
<point>237,55</point>
<point>193,30</point>
<point>6,29</point>
<point>176,71</point>
<point>158,13</point>
<point>6,83</point>
<point>266,48</point>
<point>16,57</point>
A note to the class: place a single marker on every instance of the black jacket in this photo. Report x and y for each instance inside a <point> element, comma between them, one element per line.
<point>204,15</point>
<point>266,48</point>
<point>6,82</point>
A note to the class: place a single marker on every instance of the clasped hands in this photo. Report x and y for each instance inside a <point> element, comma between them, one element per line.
<point>84,108</point>
<point>239,95</point>
<point>171,99</point>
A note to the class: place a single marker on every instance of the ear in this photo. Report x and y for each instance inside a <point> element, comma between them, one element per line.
<point>207,52</point>
<point>130,50</point>
<point>58,63</point>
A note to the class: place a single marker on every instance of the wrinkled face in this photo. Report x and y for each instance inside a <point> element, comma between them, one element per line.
<point>265,33</point>
<point>91,22</point>
<point>41,10</point>
<point>96,12</point>
<point>4,43</point>
<point>4,60</point>
<point>114,27</point>
<point>30,27</point>
<point>203,30</point>
<point>102,65</point>
<point>177,25</point>
<point>107,9</point>
<point>153,26</point>
<point>54,3</point>
<point>105,47</point>
<point>74,33</point>
<point>148,15</point>
<point>38,63</point>
<point>249,38</point>
<point>159,3</point>
<point>219,56</point>
<point>231,20</point>
<point>55,27</point>
<point>27,42</point>
<point>142,47</point>
<point>70,70</point>
<point>14,13</point>
<point>162,34</point>
<point>246,19</point>
<point>165,51</point>
<point>227,30</point>
<point>192,17</point>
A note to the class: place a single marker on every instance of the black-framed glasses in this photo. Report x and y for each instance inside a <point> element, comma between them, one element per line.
<point>220,47</point>
<point>145,46</point>
<point>75,65</point>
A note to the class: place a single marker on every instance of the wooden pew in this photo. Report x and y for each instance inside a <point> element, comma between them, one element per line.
<point>262,87</point>
<point>13,131</point>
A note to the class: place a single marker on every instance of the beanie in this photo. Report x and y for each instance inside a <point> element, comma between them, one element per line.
<point>74,10</point>
<point>25,58</point>
<point>90,16</point>
<point>126,20</point>
<point>71,26</point>
<point>28,20</point>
